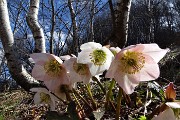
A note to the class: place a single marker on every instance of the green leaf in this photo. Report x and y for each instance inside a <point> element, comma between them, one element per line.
<point>53,115</point>
<point>142,118</point>
<point>1,117</point>
<point>72,110</point>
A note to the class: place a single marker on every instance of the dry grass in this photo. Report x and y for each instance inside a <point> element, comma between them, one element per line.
<point>18,105</point>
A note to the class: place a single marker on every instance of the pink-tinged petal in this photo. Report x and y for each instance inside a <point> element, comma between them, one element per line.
<point>41,63</point>
<point>134,78</point>
<point>52,85</point>
<point>173,104</point>
<point>73,75</point>
<point>124,82</point>
<point>112,70</point>
<point>38,72</point>
<point>48,77</point>
<point>64,79</point>
<point>168,114</point>
<point>154,51</point>
<point>86,78</point>
<point>39,89</point>
<point>149,72</point>
<point>137,48</point>
<point>41,57</point>
<point>37,99</point>
<point>52,105</point>
<point>90,45</point>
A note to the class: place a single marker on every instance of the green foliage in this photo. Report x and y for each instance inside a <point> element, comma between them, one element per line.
<point>142,118</point>
<point>1,117</point>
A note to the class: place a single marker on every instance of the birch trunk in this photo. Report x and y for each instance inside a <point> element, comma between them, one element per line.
<point>92,21</point>
<point>37,31</point>
<point>121,22</point>
<point>74,25</point>
<point>52,28</point>
<point>18,72</point>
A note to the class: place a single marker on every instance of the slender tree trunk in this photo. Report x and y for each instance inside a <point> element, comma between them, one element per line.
<point>37,31</point>
<point>121,14</point>
<point>74,25</point>
<point>151,32</point>
<point>52,27</point>
<point>92,21</point>
<point>112,15</point>
<point>18,72</point>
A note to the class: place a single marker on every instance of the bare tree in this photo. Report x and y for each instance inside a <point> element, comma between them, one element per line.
<point>16,68</point>
<point>37,31</point>
<point>74,26</point>
<point>53,18</point>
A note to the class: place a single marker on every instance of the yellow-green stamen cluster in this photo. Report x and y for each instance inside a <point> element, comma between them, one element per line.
<point>81,69</point>
<point>53,68</point>
<point>98,57</point>
<point>45,98</point>
<point>132,62</point>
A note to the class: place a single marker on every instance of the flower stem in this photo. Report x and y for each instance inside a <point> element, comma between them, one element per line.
<point>118,108</point>
<point>91,96</point>
<point>99,83</point>
<point>82,99</point>
<point>80,107</point>
<point>127,98</point>
<point>109,93</point>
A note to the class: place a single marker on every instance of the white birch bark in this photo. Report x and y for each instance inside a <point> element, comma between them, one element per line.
<point>121,21</point>
<point>74,25</point>
<point>19,74</point>
<point>92,21</point>
<point>52,27</point>
<point>37,31</point>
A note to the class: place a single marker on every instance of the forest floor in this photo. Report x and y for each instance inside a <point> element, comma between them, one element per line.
<point>18,105</point>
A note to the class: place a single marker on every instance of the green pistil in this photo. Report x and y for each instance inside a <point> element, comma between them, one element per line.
<point>53,68</point>
<point>98,57</point>
<point>132,62</point>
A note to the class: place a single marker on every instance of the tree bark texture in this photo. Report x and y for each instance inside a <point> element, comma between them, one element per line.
<point>74,25</point>
<point>18,72</point>
<point>37,31</point>
<point>52,28</point>
<point>121,22</point>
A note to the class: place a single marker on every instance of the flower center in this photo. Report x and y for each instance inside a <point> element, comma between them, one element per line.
<point>53,68</point>
<point>45,97</point>
<point>98,57</point>
<point>81,69</point>
<point>132,62</point>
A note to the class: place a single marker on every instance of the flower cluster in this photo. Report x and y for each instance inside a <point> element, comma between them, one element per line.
<point>128,67</point>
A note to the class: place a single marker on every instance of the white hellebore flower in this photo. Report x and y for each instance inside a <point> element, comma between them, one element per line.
<point>77,72</point>
<point>43,96</point>
<point>97,57</point>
